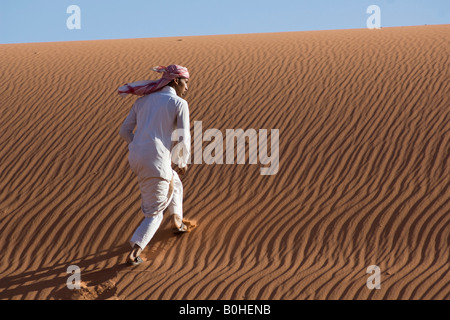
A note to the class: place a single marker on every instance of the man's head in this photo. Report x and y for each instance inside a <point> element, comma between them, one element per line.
<point>180,85</point>
<point>174,75</point>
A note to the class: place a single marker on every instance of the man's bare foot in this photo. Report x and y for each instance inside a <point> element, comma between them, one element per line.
<point>133,258</point>
<point>177,224</point>
<point>176,221</point>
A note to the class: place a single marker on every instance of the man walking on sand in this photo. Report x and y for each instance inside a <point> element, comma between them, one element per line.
<point>156,116</point>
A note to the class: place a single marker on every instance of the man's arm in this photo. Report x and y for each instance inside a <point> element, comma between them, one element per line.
<point>183,126</point>
<point>126,130</point>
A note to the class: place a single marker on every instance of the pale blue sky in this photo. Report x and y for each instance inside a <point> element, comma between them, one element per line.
<point>45,20</point>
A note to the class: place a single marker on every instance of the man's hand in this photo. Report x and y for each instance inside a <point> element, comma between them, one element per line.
<point>181,171</point>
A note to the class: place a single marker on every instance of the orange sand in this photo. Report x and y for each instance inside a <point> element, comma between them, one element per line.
<point>364,175</point>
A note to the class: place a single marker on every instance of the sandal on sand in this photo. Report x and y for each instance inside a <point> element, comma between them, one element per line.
<point>182,229</point>
<point>137,261</point>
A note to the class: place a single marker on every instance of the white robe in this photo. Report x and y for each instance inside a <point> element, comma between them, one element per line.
<point>155,199</point>
<point>155,118</point>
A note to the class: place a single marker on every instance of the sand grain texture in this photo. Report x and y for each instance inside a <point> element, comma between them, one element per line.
<point>364,175</point>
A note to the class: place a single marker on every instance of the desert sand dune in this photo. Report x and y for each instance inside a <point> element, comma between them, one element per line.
<point>363,179</point>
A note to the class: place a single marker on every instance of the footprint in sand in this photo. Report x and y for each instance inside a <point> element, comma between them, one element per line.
<point>102,291</point>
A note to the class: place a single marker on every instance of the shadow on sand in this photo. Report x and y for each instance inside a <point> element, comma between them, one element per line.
<point>97,284</point>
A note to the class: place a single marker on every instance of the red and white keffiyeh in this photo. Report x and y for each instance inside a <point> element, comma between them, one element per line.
<point>142,88</point>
